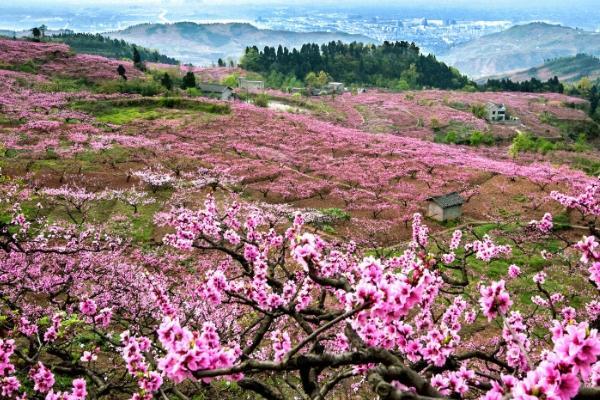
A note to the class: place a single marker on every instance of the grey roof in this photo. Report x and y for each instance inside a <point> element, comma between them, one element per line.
<point>491,104</point>
<point>448,200</point>
<point>213,88</point>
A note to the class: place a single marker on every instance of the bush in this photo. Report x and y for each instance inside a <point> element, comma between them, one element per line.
<point>51,154</point>
<point>525,142</point>
<point>261,100</point>
<point>230,80</point>
<point>193,92</point>
<point>479,111</point>
<point>477,138</point>
<point>64,84</point>
<point>336,214</point>
<point>458,133</point>
<point>590,167</point>
<point>133,86</point>
<point>451,137</point>
<point>189,80</point>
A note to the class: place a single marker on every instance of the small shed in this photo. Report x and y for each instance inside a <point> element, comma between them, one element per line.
<point>219,91</point>
<point>335,87</point>
<point>446,207</point>
<point>246,84</point>
<point>496,112</point>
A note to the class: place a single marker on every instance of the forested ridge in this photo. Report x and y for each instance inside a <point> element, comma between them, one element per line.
<point>97,44</point>
<point>397,65</point>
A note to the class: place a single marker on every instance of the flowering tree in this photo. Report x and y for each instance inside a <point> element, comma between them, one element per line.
<point>283,314</point>
<point>156,179</point>
<point>238,293</point>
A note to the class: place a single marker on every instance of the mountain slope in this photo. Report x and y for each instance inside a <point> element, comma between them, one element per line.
<point>95,44</point>
<point>204,44</point>
<point>521,47</point>
<point>568,69</point>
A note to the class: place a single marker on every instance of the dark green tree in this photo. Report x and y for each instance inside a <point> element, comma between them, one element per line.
<point>121,71</point>
<point>189,80</point>
<point>221,63</point>
<point>37,33</point>
<point>166,81</point>
<point>136,56</point>
<point>391,64</point>
<point>137,60</point>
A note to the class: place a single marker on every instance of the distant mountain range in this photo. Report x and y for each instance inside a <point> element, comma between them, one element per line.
<point>520,47</point>
<point>27,32</point>
<point>204,44</point>
<point>568,69</point>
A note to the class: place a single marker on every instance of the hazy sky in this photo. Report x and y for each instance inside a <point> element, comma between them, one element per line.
<point>455,3</point>
<point>101,15</point>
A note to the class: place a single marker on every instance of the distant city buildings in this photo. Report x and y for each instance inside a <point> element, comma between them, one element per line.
<point>432,35</point>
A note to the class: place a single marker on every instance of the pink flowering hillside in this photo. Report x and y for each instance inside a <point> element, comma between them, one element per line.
<point>158,244</point>
<point>55,59</point>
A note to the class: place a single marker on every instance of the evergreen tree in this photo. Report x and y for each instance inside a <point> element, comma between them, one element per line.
<point>137,59</point>
<point>166,81</point>
<point>355,63</point>
<point>121,71</point>
<point>136,56</point>
<point>37,33</point>
<point>189,80</point>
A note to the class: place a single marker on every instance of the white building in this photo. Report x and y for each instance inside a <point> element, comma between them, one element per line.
<point>335,87</point>
<point>496,112</point>
<point>246,84</point>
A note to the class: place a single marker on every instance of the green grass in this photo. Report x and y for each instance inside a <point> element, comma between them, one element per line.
<point>590,167</point>
<point>7,121</point>
<point>122,112</point>
<point>336,213</point>
<point>571,129</point>
<point>114,154</point>
<point>139,228</point>
<point>29,67</point>
<point>122,116</point>
<point>459,133</point>
<point>66,84</point>
<point>126,111</point>
<point>144,87</point>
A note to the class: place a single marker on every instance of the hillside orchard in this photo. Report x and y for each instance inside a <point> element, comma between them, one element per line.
<point>157,247</point>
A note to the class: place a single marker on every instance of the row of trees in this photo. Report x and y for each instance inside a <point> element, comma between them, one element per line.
<point>533,85</point>
<point>591,92</point>
<point>96,44</point>
<point>398,65</point>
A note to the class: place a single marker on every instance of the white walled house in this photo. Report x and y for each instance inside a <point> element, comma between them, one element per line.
<point>496,112</point>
